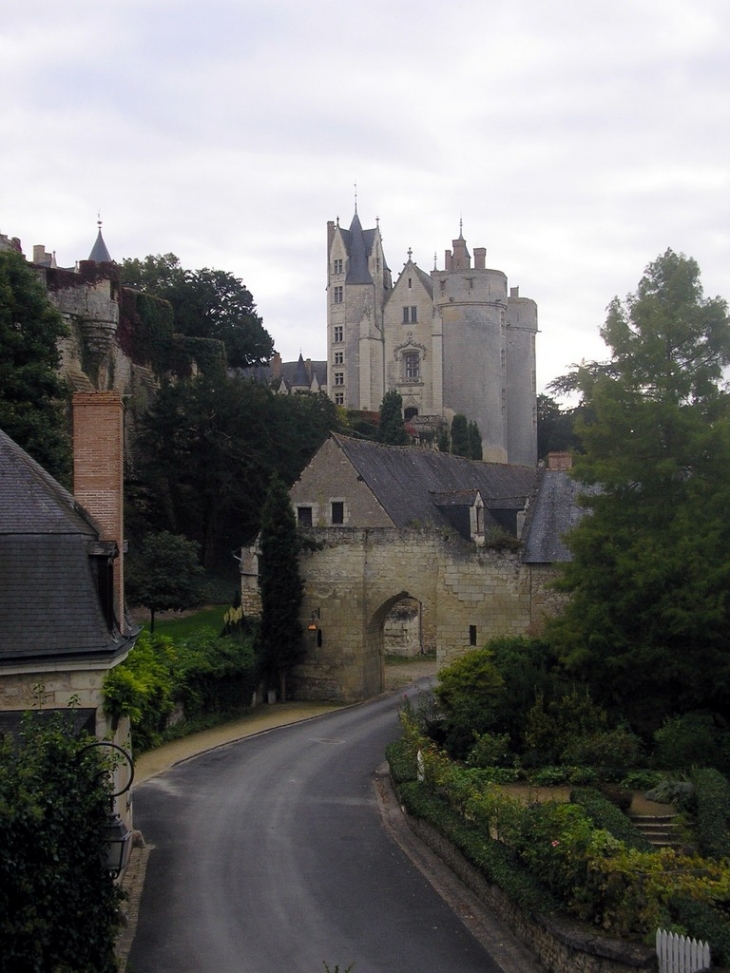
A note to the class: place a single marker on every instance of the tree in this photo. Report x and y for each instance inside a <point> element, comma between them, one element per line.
<point>32,396</point>
<point>555,431</point>
<point>648,621</point>
<point>460,445</point>
<point>206,304</point>
<point>475,441</point>
<point>58,905</point>
<point>165,575</point>
<point>281,587</point>
<point>391,429</point>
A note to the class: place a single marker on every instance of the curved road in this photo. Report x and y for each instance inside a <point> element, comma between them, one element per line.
<point>269,856</point>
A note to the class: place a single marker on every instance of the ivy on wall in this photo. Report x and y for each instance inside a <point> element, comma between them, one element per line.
<point>146,330</point>
<point>208,354</point>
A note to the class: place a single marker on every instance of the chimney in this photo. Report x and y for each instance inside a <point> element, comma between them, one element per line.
<point>98,450</point>
<point>480,258</point>
<point>514,292</point>
<point>276,365</point>
<point>560,460</point>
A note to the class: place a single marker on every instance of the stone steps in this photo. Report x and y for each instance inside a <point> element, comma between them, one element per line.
<point>660,830</point>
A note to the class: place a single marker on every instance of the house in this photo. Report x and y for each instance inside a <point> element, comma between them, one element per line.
<point>63,624</point>
<point>409,545</point>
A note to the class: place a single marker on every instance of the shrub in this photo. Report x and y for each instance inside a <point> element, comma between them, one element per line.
<point>142,688</point>
<point>552,725</point>
<point>58,906</point>
<point>490,749</point>
<point>215,674</point>
<point>705,922</point>
<point>712,796</point>
<point>694,739</point>
<point>604,814</point>
<point>468,691</point>
<point>612,748</point>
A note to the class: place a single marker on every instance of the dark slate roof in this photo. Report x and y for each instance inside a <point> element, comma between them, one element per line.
<point>554,511</point>
<point>300,378</point>
<point>405,478</point>
<point>99,252</point>
<point>289,371</point>
<point>49,601</point>
<point>358,244</point>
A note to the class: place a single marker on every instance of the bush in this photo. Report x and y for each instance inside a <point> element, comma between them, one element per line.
<point>604,814</point>
<point>142,688</point>
<point>468,691</point>
<point>612,749</point>
<point>712,797</point>
<point>694,739</point>
<point>553,725</point>
<point>58,906</point>
<point>215,674</point>
<point>704,922</point>
<point>490,749</point>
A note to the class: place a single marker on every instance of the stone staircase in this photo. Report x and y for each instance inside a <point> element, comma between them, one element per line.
<point>660,830</point>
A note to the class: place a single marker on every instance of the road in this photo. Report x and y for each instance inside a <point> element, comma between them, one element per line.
<point>269,856</point>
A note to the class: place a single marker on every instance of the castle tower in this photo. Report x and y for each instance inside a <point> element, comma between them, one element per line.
<point>358,282</point>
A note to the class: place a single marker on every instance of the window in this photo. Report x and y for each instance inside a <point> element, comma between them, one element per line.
<point>304,516</point>
<point>410,283</point>
<point>339,357</point>
<point>410,413</point>
<point>338,331</point>
<point>339,398</point>
<point>472,635</point>
<point>411,366</point>
<point>339,378</point>
<point>338,295</point>
<point>410,315</point>
<point>338,512</point>
<point>337,267</point>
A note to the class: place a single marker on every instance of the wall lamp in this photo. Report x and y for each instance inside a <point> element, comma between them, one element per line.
<point>117,836</point>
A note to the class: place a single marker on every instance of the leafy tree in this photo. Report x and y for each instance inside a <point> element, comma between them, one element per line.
<point>165,575</point>
<point>469,692</point>
<point>475,441</point>
<point>460,445</point>
<point>648,622</point>
<point>392,430</point>
<point>32,396</point>
<point>58,906</point>
<point>555,431</point>
<point>206,304</point>
<point>281,587</point>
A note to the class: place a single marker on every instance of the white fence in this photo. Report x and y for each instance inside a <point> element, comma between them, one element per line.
<point>678,954</point>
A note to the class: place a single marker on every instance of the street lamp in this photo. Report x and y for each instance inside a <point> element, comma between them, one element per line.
<point>117,836</point>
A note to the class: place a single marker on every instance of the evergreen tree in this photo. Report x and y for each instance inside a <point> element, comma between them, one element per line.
<point>443,440</point>
<point>32,396</point>
<point>282,589</point>
<point>648,622</point>
<point>392,429</point>
<point>460,445</point>
<point>475,441</point>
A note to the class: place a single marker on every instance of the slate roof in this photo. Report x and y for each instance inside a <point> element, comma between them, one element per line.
<point>99,251</point>
<point>555,510</point>
<point>410,483</point>
<point>49,600</point>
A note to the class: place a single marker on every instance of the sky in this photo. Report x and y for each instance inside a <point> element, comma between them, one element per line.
<point>576,139</point>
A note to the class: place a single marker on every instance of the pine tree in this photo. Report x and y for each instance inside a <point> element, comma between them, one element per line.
<point>460,436</point>
<point>392,430</point>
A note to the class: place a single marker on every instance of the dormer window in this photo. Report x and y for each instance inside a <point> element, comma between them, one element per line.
<point>337,266</point>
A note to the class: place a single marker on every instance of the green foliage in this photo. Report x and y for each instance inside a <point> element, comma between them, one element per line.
<point>618,748</point>
<point>712,797</point>
<point>489,750</point>
<point>215,674</point>
<point>165,574</point>
<point>605,815</point>
<point>143,688</point>
<point>208,355</point>
<point>648,622</point>
<point>555,432</point>
<point>391,429</point>
<point>58,906</point>
<point>705,923</point>
<point>460,445</point>
<point>32,396</point>
<point>206,304</point>
<point>281,587</point>
<point>695,739</point>
<point>554,724</point>
<point>475,441</point>
<point>469,692</point>
<point>146,329</point>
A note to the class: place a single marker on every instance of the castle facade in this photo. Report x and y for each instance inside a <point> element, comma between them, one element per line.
<point>456,340</point>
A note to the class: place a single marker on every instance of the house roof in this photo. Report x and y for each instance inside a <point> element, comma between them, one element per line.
<point>49,598</point>
<point>406,480</point>
<point>99,251</point>
<point>555,510</point>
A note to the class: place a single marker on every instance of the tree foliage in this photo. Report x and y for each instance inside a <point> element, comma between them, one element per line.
<point>392,430</point>
<point>281,586</point>
<point>555,426</point>
<point>206,304</point>
<point>206,451</point>
<point>648,622</point>
<point>58,906</point>
<point>164,574</point>
<point>32,396</point>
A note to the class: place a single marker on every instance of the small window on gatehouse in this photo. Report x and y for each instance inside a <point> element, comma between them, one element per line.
<point>304,516</point>
<point>338,512</point>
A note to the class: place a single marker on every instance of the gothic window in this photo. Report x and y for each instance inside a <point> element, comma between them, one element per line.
<point>337,267</point>
<point>338,295</point>
<point>338,333</point>
<point>339,357</point>
<point>339,378</point>
<point>304,516</point>
<point>411,366</point>
<point>410,315</point>
<point>338,512</point>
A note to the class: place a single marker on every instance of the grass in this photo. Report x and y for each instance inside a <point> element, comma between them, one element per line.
<point>403,660</point>
<point>182,628</point>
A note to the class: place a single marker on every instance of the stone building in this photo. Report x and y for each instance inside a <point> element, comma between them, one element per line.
<point>441,551</point>
<point>455,340</point>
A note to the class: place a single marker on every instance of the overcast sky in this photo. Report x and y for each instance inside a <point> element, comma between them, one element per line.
<point>577,140</point>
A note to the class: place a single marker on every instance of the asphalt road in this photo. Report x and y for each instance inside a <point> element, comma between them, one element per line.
<point>270,856</point>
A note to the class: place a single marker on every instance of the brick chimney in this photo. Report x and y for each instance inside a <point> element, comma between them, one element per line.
<point>98,449</point>
<point>559,460</point>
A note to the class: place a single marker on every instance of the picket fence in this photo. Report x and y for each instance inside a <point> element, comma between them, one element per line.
<point>678,954</point>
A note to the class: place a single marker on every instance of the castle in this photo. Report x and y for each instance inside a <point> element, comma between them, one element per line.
<point>453,341</point>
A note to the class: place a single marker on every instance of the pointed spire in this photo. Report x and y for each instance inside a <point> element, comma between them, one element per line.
<point>99,252</point>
